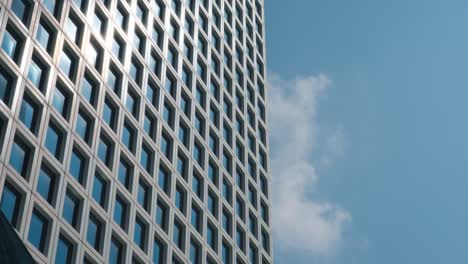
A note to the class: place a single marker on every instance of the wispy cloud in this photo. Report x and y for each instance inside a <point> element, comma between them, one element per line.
<point>301,223</point>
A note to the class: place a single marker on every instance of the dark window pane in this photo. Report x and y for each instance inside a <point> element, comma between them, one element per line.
<point>64,254</point>
<point>46,184</point>
<point>93,235</point>
<point>78,166</point>
<point>20,157</point>
<point>29,113</point>
<point>10,204</point>
<point>99,190</point>
<point>71,207</point>
<point>38,231</point>
<point>116,252</point>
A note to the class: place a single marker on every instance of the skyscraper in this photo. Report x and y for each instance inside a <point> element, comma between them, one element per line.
<point>135,131</point>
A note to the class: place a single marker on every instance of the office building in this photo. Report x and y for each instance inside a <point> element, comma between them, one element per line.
<point>135,131</point>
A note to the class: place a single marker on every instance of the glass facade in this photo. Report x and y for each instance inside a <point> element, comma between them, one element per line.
<point>137,130</point>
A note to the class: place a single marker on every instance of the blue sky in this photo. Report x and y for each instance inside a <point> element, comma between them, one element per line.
<point>382,162</point>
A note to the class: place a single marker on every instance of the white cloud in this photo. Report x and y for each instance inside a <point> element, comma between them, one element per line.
<point>299,222</point>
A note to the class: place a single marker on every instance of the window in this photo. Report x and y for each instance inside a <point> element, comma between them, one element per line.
<point>142,13</point>
<point>39,231</point>
<point>61,100</point>
<point>100,190</point>
<point>252,168</point>
<point>227,133</point>
<point>74,28</point>
<point>226,217</point>
<point>252,196</point>
<point>197,185</point>
<point>196,218</point>
<point>227,191</point>
<point>94,54</point>
<point>182,166</point>
<point>118,47</point>
<point>155,63</point>
<point>13,42</point>
<point>10,204</point>
<point>121,17</point>
<point>71,209</point>
<point>198,153</point>
<point>180,199</point>
<point>149,125</point>
<point>38,72</point>
<point>139,42</point>
<point>95,232</point>
<point>84,126</point>
<point>240,207</point>
<point>168,114</point>
<point>22,9</point>
<point>187,76</point>
<point>184,134</point>
<point>199,123</point>
<point>82,4</point>
<point>157,34</point>
<point>90,89</point>
<point>129,137</point>
<point>116,251</point>
<point>239,122</point>
<point>240,151</point>
<point>21,156</point>
<point>212,204</point>
<point>166,145</point>
<point>175,5</point>
<point>178,234</point>
<point>152,93</point>
<point>105,151</point>
<point>125,173</point>
<point>146,158</point>
<point>164,180</point>
<point>194,252</point>
<point>158,252</point>
<point>262,158</point>
<point>136,70</point>
<point>253,254</point>
<point>265,240</point>
<point>264,185</point>
<point>65,251</point>
<point>139,234</point>
<point>211,236</point>
<point>240,237</point>
<point>214,115</point>
<point>144,195</point>
<point>185,104</point>
<point>188,50</point>
<point>132,103</point>
<point>30,113</point>
<point>252,223</point>
<point>68,63</point>
<point>47,184</point>
<point>54,7</point>
<point>109,113</point>
<point>171,85</point>
<point>120,212</point>
<point>174,30</point>
<point>114,79</point>
<point>7,83</point>
<point>226,253</point>
<point>213,172</point>
<point>99,22</point>
<point>3,128</point>
<point>162,213</point>
<point>201,70</point>
<point>215,66</point>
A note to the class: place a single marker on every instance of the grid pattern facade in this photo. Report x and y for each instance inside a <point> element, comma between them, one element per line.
<point>135,131</point>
